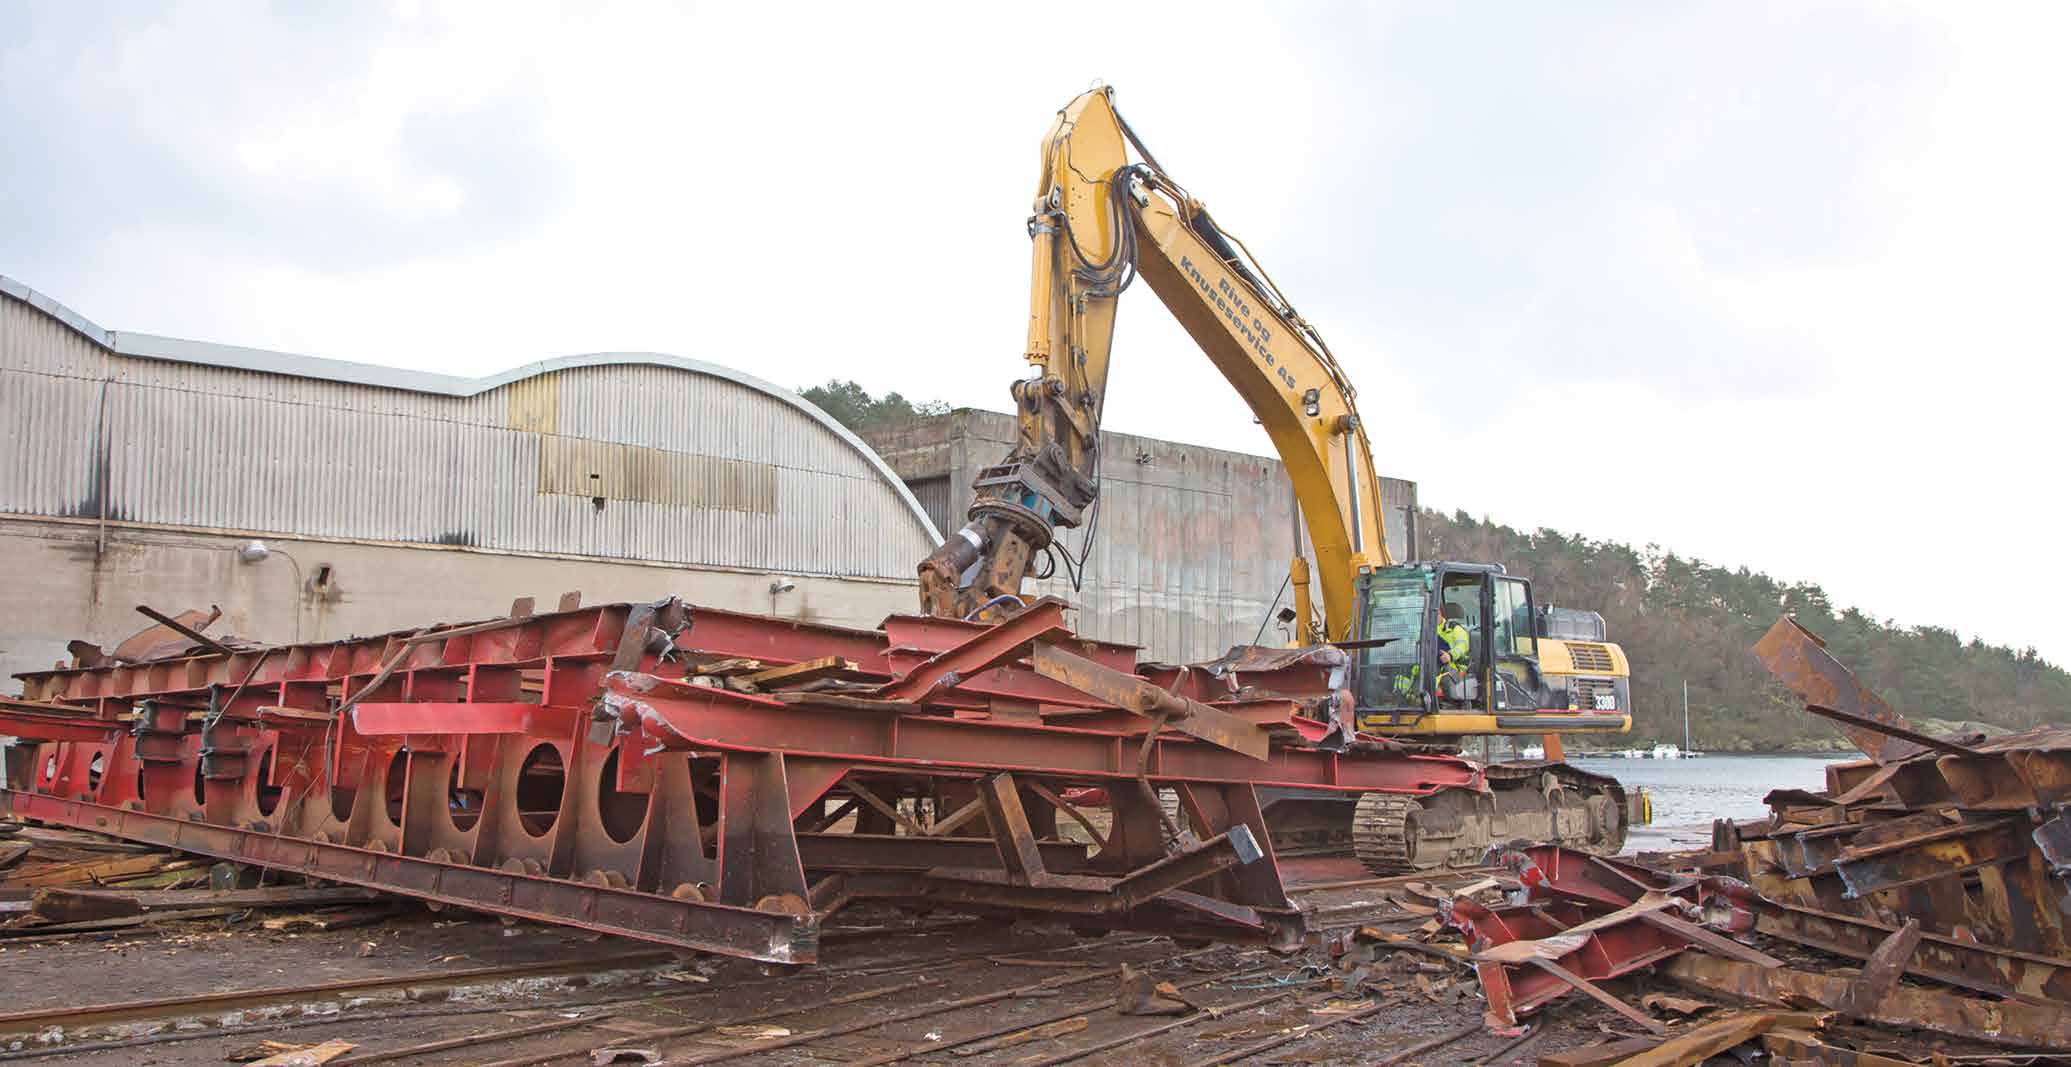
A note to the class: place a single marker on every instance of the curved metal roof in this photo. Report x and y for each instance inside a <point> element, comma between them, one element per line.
<point>238,357</point>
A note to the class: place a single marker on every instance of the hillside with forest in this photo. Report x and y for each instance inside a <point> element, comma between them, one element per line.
<point>1680,618</point>
<point>1684,619</point>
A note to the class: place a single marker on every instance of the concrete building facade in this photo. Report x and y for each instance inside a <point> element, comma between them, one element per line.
<point>1190,547</point>
<point>136,466</point>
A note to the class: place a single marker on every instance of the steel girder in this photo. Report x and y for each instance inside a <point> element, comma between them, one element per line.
<point>617,768</point>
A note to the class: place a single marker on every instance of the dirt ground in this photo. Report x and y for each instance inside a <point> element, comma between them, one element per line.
<point>914,985</point>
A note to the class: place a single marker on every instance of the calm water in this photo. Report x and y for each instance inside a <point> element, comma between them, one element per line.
<point>1690,793</point>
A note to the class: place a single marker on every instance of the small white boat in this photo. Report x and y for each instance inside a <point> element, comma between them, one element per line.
<point>1665,752</point>
<point>1631,753</point>
<point>1532,752</point>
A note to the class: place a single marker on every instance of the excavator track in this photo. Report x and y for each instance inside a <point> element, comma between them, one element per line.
<point>1384,829</point>
<point>1539,801</point>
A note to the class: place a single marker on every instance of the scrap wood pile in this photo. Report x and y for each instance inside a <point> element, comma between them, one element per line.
<point>62,883</point>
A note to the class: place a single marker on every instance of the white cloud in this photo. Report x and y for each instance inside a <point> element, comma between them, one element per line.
<point>1772,285</point>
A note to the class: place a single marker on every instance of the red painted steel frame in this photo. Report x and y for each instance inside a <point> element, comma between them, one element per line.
<point>569,767</point>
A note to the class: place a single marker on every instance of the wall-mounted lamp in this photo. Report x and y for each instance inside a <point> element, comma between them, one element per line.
<point>777,588</point>
<point>256,552</point>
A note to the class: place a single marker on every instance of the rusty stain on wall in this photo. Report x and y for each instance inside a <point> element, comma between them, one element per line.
<point>535,403</point>
<point>585,468</point>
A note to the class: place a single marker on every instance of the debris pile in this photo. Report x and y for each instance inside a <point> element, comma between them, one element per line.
<point>61,883</point>
<point>1916,907</point>
<point>645,770</point>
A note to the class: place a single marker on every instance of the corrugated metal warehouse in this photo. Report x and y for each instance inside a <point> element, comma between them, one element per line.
<point>136,466</point>
<point>1191,544</point>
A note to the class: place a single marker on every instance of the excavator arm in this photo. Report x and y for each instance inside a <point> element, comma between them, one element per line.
<point>1100,219</point>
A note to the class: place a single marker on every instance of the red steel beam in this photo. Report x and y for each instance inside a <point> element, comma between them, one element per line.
<point>689,717</point>
<point>45,722</point>
<point>687,924</point>
<point>463,717</point>
<point>417,791</point>
<point>981,651</point>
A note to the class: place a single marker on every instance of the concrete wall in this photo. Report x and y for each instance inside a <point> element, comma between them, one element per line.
<point>1191,545</point>
<point>61,587</point>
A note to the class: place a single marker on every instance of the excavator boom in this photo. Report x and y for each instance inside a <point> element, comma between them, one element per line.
<point>1099,220</point>
<point>1435,650</point>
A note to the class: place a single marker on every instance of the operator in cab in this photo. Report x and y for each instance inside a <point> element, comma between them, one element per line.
<point>1453,644</point>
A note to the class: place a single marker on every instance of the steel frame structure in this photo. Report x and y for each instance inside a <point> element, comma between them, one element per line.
<point>606,767</point>
<point>1579,919</point>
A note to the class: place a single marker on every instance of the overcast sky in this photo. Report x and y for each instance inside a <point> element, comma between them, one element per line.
<point>1777,286</point>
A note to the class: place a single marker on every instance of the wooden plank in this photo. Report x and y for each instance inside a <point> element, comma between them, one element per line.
<point>1702,1043</point>
<point>728,668</point>
<point>60,904</point>
<point>18,935</point>
<point>313,1056</point>
<point>798,673</point>
<point>80,840</point>
<point>85,871</point>
<point>1601,1055</point>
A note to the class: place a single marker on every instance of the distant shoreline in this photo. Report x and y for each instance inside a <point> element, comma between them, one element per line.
<point>1837,754</point>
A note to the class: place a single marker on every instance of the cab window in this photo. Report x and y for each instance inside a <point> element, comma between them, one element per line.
<point>1511,629</point>
<point>1464,592</point>
<point>1388,673</point>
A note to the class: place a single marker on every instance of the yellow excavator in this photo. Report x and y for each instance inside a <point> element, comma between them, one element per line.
<point>1438,651</point>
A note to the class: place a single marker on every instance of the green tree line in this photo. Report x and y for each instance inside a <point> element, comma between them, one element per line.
<point>854,407</point>
<point>1680,618</point>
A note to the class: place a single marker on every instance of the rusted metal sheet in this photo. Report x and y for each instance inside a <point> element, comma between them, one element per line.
<point>1800,660</point>
<point>2017,1023</point>
<point>577,767</point>
<point>1931,855</point>
<point>1967,836</point>
<point>1942,958</point>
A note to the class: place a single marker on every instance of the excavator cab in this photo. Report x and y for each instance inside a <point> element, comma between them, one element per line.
<point>1512,677</point>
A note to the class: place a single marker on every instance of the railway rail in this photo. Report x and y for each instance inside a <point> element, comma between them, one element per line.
<point>1006,1001</point>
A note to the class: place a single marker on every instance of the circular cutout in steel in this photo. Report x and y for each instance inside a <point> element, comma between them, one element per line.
<point>266,795</point>
<point>342,798</point>
<point>396,784</point>
<point>621,813</point>
<point>464,806</point>
<point>542,779</point>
